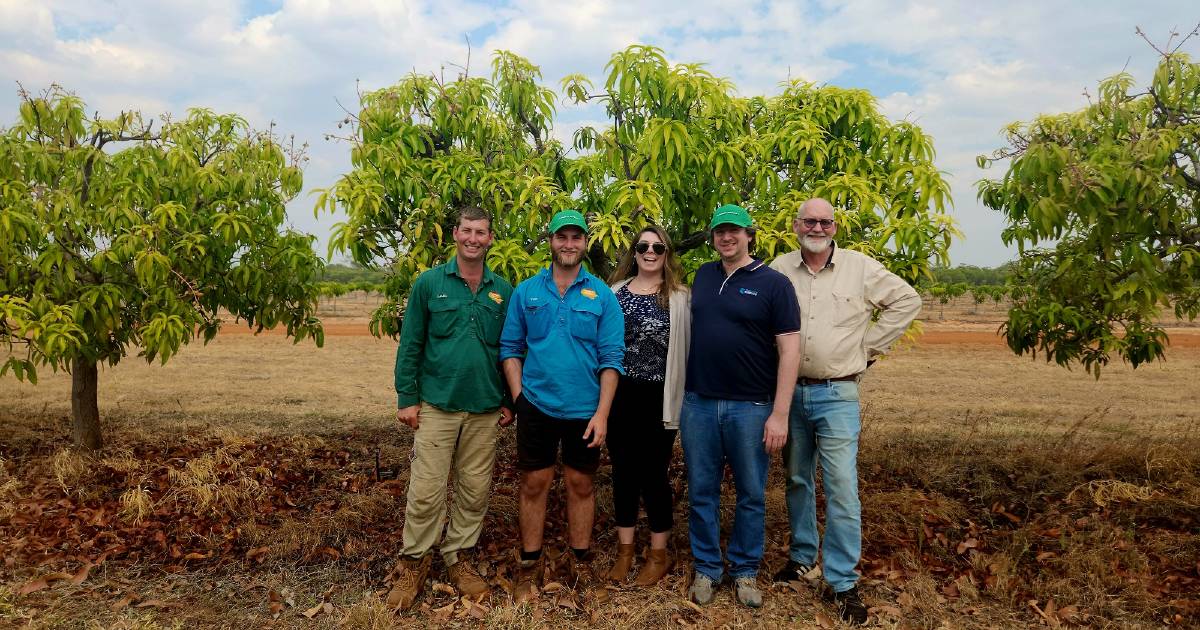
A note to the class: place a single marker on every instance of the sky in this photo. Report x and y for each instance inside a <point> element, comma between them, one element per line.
<point>962,71</point>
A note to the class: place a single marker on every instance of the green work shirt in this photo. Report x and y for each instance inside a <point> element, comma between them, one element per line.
<point>450,341</point>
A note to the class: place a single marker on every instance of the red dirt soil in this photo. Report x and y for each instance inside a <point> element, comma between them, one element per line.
<point>935,334</point>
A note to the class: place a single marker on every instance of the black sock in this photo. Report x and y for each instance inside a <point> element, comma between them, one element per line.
<point>580,554</point>
<point>529,556</point>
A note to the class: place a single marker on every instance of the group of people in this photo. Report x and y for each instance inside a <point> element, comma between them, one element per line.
<point>751,360</point>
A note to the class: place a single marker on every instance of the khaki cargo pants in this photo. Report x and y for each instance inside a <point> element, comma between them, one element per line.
<point>465,442</point>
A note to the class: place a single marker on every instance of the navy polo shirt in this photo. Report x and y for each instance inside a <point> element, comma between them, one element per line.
<point>735,319</point>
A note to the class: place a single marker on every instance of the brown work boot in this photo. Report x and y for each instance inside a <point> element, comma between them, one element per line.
<point>658,564</point>
<point>466,578</point>
<point>623,563</point>
<point>529,579</point>
<point>582,577</point>
<point>408,580</point>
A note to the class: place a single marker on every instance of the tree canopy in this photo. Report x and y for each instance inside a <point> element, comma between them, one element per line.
<point>116,236</point>
<point>1103,205</point>
<point>677,143</point>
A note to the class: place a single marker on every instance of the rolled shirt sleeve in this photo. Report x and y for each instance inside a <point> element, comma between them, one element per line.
<point>611,336</point>
<point>513,344</point>
<point>898,304</point>
<point>413,331</point>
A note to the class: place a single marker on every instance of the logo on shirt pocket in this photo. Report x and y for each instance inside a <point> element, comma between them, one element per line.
<point>745,291</point>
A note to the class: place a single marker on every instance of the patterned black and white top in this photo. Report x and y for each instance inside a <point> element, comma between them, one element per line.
<point>647,331</point>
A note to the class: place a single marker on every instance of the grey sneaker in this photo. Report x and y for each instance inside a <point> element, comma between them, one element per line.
<point>703,589</point>
<point>746,589</point>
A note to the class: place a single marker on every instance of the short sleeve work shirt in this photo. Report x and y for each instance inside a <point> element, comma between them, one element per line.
<point>450,341</point>
<point>735,320</point>
<point>564,341</point>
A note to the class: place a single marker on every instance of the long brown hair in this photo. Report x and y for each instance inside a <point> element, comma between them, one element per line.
<point>672,272</point>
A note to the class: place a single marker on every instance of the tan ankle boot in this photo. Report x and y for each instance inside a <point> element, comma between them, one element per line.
<point>408,580</point>
<point>623,563</point>
<point>658,564</point>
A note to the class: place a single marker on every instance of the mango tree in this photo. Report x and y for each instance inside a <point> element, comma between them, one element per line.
<point>424,148</point>
<point>1103,205</point>
<point>681,143</point>
<point>115,236</point>
<point>677,143</point>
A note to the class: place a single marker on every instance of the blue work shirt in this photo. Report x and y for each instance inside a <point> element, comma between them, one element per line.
<point>564,341</point>
<point>735,320</point>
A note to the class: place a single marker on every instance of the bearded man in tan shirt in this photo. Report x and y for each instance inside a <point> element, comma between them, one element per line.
<point>838,290</point>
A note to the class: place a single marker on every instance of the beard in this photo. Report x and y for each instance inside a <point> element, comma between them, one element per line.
<point>816,244</point>
<point>567,260</point>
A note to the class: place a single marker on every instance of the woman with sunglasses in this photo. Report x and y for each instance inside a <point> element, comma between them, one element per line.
<point>648,284</point>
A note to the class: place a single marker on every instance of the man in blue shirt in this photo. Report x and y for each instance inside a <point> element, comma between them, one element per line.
<point>741,374</point>
<point>562,348</point>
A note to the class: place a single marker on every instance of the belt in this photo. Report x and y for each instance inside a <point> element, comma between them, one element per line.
<point>804,380</point>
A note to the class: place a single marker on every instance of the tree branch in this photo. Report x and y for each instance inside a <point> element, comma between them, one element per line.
<point>691,241</point>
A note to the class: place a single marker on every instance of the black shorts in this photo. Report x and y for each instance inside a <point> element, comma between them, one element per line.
<point>538,437</point>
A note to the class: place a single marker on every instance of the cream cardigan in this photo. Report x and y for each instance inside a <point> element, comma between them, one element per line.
<point>678,341</point>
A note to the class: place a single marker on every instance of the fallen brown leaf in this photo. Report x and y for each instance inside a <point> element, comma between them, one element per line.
<point>443,614</point>
<point>314,611</point>
<point>153,603</point>
<point>81,574</point>
<point>477,611</point>
<point>122,603</point>
<point>823,620</point>
<point>33,586</point>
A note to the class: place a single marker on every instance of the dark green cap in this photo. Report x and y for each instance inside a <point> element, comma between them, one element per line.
<point>731,214</point>
<point>564,218</point>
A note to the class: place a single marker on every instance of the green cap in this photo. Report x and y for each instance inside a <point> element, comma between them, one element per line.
<point>563,218</point>
<point>732,214</point>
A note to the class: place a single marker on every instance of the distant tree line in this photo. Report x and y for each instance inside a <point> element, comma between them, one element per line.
<point>351,274</point>
<point>972,275</point>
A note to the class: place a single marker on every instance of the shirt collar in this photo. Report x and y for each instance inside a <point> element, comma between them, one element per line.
<point>834,252</point>
<point>753,265</point>
<point>548,273</point>
<point>452,269</point>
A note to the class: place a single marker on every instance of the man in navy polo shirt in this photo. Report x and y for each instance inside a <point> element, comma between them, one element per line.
<point>741,374</point>
<point>562,348</point>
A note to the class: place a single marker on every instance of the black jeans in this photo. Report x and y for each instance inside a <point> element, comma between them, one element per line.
<point>641,450</point>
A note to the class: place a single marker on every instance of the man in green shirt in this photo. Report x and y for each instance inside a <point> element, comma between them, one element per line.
<point>450,392</point>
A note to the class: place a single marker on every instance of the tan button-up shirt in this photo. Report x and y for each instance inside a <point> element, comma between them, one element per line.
<point>836,334</point>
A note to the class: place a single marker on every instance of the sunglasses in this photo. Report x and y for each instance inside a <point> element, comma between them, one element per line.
<point>642,247</point>
<point>812,223</point>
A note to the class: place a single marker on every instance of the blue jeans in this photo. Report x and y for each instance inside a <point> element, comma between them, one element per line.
<point>824,420</point>
<point>715,431</point>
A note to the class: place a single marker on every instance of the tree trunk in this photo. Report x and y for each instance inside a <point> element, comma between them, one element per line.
<point>85,414</point>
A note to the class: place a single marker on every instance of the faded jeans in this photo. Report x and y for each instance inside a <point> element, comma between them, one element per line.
<point>715,431</point>
<point>824,421</point>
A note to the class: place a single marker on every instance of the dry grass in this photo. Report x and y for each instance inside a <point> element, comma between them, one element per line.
<point>1079,492</point>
